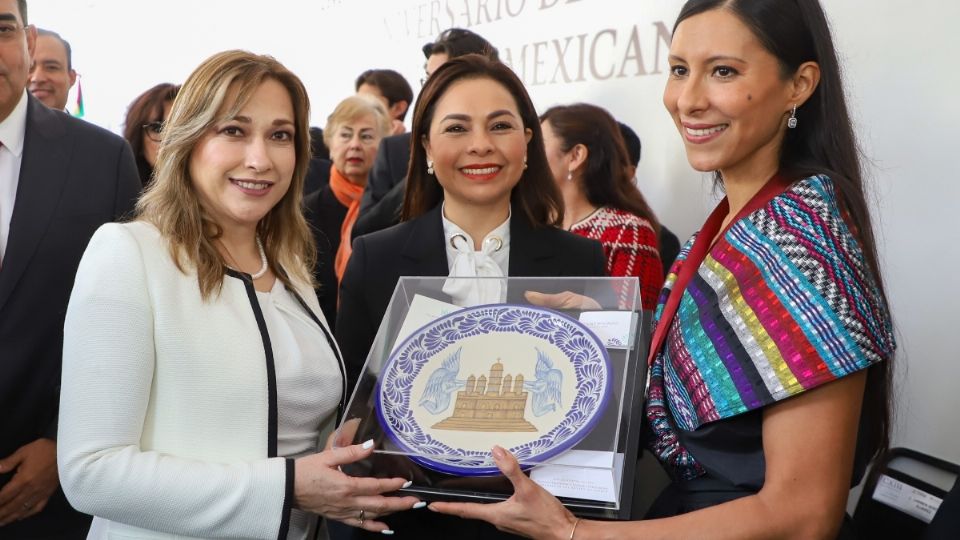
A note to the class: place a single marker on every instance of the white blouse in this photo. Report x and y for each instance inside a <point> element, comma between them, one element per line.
<point>308,378</point>
<point>308,381</point>
<point>492,260</point>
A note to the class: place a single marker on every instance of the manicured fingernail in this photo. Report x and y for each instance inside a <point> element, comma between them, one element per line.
<point>368,445</point>
<point>407,484</point>
<point>497,453</point>
<point>419,505</point>
<point>387,532</point>
<point>431,508</point>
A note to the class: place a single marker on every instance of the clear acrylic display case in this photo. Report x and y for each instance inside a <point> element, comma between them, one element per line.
<point>557,378</point>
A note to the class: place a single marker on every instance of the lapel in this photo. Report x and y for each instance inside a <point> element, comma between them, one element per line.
<point>43,174</point>
<point>530,252</point>
<point>424,250</point>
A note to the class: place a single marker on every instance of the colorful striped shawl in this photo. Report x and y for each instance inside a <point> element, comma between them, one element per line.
<point>782,303</point>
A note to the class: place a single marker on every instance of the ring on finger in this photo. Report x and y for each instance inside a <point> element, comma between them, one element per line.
<point>360,518</point>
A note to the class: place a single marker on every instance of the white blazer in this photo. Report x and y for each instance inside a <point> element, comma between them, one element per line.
<point>168,411</point>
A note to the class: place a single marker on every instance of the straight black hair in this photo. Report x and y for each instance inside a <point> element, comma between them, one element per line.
<point>797,31</point>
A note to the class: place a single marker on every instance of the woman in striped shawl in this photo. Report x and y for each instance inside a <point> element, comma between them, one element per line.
<point>770,362</point>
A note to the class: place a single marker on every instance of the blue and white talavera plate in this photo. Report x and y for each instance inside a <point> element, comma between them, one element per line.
<point>526,378</point>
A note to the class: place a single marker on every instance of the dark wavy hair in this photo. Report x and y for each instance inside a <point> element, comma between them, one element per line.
<point>146,108</point>
<point>797,31</point>
<point>606,177</point>
<point>535,197</point>
<point>456,42</point>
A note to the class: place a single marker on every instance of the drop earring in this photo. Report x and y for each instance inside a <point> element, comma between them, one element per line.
<point>430,166</point>
<point>569,176</point>
<point>524,162</point>
<point>792,121</point>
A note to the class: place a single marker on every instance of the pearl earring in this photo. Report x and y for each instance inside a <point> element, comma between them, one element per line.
<point>524,162</point>
<point>569,176</point>
<point>429,166</point>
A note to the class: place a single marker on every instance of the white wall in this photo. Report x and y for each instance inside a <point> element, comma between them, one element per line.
<point>901,72</point>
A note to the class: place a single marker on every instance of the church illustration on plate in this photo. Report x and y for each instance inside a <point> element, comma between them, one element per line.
<point>494,403</point>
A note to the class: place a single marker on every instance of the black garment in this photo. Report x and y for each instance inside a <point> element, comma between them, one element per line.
<point>74,177</point>
<point>318,175</point>
<point>417,248</point>
<point>318,148</point>
<point>669,248</point>
<point>325,215</point>
<point>946,522</point>
<point>731,453</point>
<point>383,198</point>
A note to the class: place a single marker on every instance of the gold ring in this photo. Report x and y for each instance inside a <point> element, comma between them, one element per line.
<point>360,517</point>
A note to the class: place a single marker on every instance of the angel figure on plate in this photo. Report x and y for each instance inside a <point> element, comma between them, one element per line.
<point>546,386</point>
<point>441,384</point>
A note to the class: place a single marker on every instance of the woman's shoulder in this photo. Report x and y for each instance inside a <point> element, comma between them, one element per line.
<point>616,220</point>
<point>571,245</point>
<point>124,237</point>
<point>394,238</point>
<point>811,194</point>
<point>618,216</point>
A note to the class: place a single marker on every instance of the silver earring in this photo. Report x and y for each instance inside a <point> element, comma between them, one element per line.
<point>429,166</point>
<point>792,121</point>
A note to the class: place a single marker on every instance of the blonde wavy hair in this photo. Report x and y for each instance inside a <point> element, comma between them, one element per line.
<point>355,107</point>
<point>171,203</point>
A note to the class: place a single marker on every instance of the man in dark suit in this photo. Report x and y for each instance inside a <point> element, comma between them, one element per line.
<point>383,197</point>
<point>60,179</point>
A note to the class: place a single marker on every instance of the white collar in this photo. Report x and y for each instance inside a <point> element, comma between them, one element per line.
<point>466,264</point>
<point>502,231</point>
<point>13,128</point>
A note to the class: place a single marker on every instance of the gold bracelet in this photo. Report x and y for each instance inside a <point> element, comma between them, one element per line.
<point>574,529</point>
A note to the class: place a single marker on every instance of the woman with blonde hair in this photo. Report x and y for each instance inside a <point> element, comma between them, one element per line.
<point>197,376</point>
<point>353,133</point>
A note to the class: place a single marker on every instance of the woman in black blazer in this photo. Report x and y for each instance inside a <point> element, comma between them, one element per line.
<point>480,197</point>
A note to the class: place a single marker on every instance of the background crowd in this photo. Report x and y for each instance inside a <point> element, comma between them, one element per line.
<point>240,221</point>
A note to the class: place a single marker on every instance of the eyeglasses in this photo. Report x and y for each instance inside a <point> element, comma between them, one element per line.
<point>153,131</point>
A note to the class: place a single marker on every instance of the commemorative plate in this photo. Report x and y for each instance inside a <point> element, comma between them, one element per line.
<point>527,378</point>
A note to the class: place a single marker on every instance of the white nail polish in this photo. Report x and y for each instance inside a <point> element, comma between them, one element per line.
<point>368,445</point>
<point>420,504</point>
<point>387,532</point>
<point>407,484</point>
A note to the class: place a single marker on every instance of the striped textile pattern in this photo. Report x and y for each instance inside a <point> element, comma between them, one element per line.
<point>781,304</point>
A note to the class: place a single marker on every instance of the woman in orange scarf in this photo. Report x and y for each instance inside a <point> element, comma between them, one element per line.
<point>352,134</point>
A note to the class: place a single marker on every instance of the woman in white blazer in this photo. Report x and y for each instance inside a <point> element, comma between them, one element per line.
<point>198,378</point>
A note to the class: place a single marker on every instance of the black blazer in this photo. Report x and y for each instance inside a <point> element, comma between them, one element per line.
<point>381,201</point>
<point>417,248</point>
<point>74,177</point>
<point>325,216</point>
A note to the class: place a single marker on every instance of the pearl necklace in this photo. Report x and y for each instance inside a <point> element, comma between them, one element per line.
<point>263,261</point>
